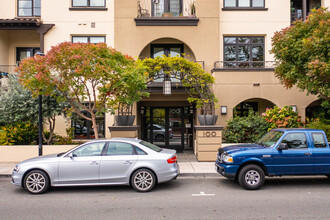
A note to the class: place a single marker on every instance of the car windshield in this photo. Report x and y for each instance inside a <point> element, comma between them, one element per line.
<point>151,146</point>
<point>269,139</point>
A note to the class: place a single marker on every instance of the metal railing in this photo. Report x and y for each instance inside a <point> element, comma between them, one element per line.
<point>157,8</point>
<point>202,63</point>
<point>244,64</point>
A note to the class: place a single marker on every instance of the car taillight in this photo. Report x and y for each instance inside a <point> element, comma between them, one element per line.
<point>171,160</point>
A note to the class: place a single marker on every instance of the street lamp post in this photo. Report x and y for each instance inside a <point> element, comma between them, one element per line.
<point>40,115</point>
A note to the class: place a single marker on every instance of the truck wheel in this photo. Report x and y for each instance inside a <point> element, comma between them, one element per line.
<point>251,177</point>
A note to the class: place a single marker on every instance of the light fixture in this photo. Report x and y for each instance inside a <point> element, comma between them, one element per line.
<point>167,86</point>
<point>142,110</point>
<point>223,110</point>
<point>294,108</point>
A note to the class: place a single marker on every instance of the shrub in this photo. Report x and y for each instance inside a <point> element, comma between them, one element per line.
<point>282,118</point>
<point>320,123</point>
<point>247,129</point>
<point>18,133</point>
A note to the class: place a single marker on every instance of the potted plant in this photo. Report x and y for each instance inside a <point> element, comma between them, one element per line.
<point>133,83</point>
<point>167,14</point>
<point>192,77</point>
<point>192,9</point>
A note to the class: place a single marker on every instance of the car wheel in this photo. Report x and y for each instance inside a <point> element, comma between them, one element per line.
<point>36,182</point>
<point>143,180</point>
<point>160,138</point>
<point>251,177</point>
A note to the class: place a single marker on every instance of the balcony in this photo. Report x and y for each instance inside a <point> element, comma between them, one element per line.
<point>244,66</point>
<point>166,13</point>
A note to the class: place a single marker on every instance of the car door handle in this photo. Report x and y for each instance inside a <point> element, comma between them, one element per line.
<point>308,154</point>
<point>94,163</point>
<point>128,162</point>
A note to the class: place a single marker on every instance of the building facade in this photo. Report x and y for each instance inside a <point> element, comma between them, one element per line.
<point>230,39</point>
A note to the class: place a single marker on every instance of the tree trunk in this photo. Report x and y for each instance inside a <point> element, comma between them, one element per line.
<point>96,132</point>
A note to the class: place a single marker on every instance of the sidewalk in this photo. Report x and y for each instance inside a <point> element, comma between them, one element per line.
<point>187,162</point>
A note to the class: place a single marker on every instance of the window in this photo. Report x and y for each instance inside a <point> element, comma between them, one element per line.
<point>88,39</point>
<point>83,128</point>
<point>88,3</point>
<point>244,3</point>
<point>242,109</point>
<point>140,152</point>
<point>88,150</point>
<point>166,49</point>
<point>244,52</point>
<point>120,148</point>
<point>159,7</point>
<point>319,140</point>
<point>295,141</point>
<point>29,8</point>
<point>25,52</point>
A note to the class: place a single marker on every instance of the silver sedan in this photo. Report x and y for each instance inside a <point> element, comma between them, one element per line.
<point>118,161</point>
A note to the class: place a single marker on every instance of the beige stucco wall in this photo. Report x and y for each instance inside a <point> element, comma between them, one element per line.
<point>202,40</point>
<point>69,23</point>
<point>231,88</point>
<point>325,3</point>
<point>9,154</point>
<point>255,23</point>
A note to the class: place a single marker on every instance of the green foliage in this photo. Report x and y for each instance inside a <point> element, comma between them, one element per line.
<point>247,129</point>
<point>302,52</point>
<point>18,104</point>
<point>18,134</point>
<point>84,73</point>
<point>282,118</point>
<point>323,124</point>
<point>191,75</point>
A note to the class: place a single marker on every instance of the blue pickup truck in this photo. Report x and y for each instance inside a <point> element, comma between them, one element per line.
<point>280,152</point>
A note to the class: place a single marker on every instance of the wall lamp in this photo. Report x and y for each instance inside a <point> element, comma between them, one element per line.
<point>294,108</point>
<point>223,110</point>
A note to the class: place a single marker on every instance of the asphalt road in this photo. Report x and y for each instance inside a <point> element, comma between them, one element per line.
<point>184,198</point>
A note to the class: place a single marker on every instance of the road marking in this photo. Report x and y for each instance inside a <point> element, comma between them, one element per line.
<point>203,194</point>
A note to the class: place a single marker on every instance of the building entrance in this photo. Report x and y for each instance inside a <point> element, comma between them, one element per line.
<point>168,127</point>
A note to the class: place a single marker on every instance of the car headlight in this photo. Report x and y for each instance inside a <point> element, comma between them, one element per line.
<point>16,168</point>
<point>228,159</point>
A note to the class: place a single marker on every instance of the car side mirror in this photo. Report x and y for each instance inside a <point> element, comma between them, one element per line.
<point>282,146</point>
<point>71,155</point>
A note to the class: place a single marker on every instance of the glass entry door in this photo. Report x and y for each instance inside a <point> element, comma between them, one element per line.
<point>168,127</point>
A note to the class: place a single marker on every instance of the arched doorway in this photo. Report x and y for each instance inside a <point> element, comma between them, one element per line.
<point>166,117</point>
<point>315,110</point>
<point>258,105</point>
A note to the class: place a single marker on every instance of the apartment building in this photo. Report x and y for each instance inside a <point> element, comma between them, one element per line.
<point>230,39</point>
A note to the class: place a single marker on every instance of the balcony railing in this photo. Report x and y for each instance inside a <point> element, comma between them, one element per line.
<point>159,8</point>
<point>238,65</point>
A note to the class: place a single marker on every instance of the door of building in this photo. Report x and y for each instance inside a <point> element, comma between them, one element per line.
<point>168,127</point>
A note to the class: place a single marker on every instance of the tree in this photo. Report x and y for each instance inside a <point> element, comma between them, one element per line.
<point>302,53</point>
<point>18,105</point>
<point>191,75</point>
<point>88,76</point>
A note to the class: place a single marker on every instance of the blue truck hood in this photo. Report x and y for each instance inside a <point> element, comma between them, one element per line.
<point>241,147</point>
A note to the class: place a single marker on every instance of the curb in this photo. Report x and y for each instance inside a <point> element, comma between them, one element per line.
<point>183,175</point>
